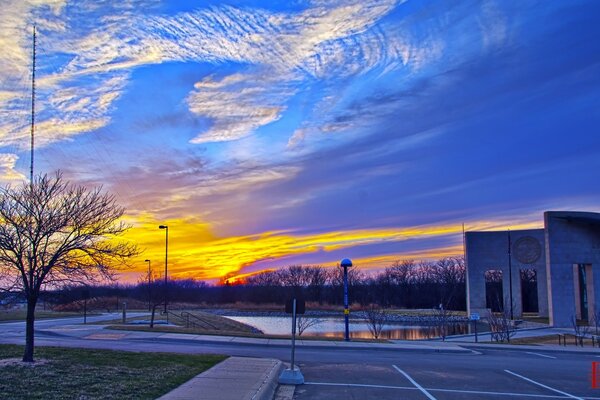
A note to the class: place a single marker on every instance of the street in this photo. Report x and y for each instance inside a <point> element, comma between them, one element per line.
<point>333,372</point>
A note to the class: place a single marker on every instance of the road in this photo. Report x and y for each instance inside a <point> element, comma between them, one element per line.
<point>333,372</point>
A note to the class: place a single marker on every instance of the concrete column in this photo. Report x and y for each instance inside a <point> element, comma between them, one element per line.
<point>593,291</point>
<point>561,294</point>
<point>476,292</point>
<point>576,291</point>
<point>516,292</point>
<point>542,289</point>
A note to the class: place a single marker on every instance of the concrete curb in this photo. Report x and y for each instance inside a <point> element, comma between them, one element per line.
<point>267,389</point>
<point>236,378</point>
<point>412,347</point>
<point>541,348</point>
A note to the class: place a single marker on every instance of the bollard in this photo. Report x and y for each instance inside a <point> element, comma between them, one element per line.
<point>124,312</point>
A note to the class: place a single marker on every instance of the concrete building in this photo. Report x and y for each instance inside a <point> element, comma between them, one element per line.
<point>561,262</point>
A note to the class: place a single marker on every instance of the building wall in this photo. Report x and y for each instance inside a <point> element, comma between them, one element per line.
<point>572,238</point>
<point>490,251</point>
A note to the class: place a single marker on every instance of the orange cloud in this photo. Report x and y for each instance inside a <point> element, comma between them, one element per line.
<point>195,252</point>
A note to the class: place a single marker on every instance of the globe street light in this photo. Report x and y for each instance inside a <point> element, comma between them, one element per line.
<point>346,263</point>
<point>149,283</point>
<point>166,228</point>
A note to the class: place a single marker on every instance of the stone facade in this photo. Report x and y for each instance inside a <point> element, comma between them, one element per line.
<point>565,256</point>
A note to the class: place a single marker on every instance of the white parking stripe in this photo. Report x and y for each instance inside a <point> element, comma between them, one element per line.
<point>538,354</point>
<point>361,385</point>
<point>425,392</point>
<point>542,385</point>
<point>478,392</point>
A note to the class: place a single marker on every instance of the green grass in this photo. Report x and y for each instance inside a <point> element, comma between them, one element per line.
<point>63,373</point>
<point>192,331</point>
<point>19,315</point>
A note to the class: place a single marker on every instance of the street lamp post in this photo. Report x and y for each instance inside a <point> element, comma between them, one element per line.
<point>166,228</point>
<point>346,263</point>
<point>149,283</point>
<point>510,283</point>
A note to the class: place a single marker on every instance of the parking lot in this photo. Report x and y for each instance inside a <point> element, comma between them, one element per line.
<point>483,375</point>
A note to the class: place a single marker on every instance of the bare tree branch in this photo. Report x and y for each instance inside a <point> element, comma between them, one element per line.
<point>55,233</point>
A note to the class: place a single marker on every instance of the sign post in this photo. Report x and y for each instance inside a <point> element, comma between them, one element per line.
<point>293,376</point>
<point>474,317</point>
<point>293,331</point>
<point>346,263</point>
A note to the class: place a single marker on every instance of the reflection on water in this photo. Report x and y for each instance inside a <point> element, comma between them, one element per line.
<point>334,327</point>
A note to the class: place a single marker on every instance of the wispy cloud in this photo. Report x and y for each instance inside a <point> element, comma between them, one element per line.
<point>7,169</point>
<point>238,104</point>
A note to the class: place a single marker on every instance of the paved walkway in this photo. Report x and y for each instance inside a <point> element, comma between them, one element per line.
<point>236,378</point>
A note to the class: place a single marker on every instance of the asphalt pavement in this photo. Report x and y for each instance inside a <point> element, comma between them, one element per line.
<point>403,370</point>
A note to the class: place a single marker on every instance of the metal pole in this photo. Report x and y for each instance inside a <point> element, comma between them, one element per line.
<point>293,331</point>
<point>149,284</point>
<point>166,228</point>
<point>510,283</point>
<point>346,309</point>
<point>85,311</point>
<point>32,110</point>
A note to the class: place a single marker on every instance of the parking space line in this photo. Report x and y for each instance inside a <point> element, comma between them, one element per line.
<point>425,392</point>
<point>542,385</point>
<point>538,354</point>
<point>361,385</point>
<point>474,392</point>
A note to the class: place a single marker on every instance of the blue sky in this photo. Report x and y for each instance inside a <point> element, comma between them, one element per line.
<point>271,133</point>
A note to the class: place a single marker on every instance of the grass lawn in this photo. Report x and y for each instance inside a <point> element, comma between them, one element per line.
<point>19,315</point>
<point>64,373</point>
<point>192,331</point>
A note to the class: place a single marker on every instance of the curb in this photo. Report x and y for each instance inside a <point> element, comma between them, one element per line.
<point>267,389</point>
<point>235,378</point>
<point>388,347</point>
<point>518,347</point>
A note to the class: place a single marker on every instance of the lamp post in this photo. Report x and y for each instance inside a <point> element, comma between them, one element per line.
<point>166,228</point>
<point>510,283</point>
<point>346,263</point>
<point>149,283</point>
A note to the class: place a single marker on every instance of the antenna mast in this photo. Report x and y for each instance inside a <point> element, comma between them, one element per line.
<point>32,110</point>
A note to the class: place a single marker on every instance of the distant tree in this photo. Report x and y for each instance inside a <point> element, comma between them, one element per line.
<point>304,322</point>
<point>55,233</point>
<point>450,274</point>
<point>376,318</point>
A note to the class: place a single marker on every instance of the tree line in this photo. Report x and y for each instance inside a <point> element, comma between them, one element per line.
<point>404,284</point>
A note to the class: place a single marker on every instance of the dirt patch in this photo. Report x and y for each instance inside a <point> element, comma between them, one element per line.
<point>11,362</point>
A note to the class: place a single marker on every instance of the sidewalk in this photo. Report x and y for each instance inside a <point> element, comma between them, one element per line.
<point>427,346</point>
<point>236,378</point>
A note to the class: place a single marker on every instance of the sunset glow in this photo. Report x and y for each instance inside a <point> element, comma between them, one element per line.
<point>274,133</point>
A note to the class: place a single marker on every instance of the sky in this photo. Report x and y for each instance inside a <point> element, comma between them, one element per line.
<point>275,133</point>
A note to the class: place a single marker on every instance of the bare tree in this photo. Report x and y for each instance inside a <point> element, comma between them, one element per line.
<point>442,319</point>
<point>501,326</point>
<point>54,233</point>
<point>580,331</point>
<point>377,318</point>
<point>303,323</point>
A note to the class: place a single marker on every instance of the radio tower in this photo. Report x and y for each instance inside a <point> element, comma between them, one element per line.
<point>32,110</point>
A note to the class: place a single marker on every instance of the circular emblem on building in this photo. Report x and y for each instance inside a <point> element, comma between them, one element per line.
<point>527,249</point>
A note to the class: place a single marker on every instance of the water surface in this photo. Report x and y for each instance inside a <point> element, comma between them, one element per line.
<point>334,327</point>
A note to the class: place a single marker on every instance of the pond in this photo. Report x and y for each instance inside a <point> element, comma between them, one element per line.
<point>334,327</point>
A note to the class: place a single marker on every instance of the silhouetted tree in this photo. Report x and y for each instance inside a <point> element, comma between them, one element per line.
<point>55,233</point>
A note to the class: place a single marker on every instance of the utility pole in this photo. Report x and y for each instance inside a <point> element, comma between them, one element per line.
<point>32,110</point>
<point>510,284</point>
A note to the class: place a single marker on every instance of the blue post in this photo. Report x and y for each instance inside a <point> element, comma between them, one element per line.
<point>345,264</point>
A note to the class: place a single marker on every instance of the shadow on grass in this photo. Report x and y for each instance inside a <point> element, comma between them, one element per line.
<point>97,374</point>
